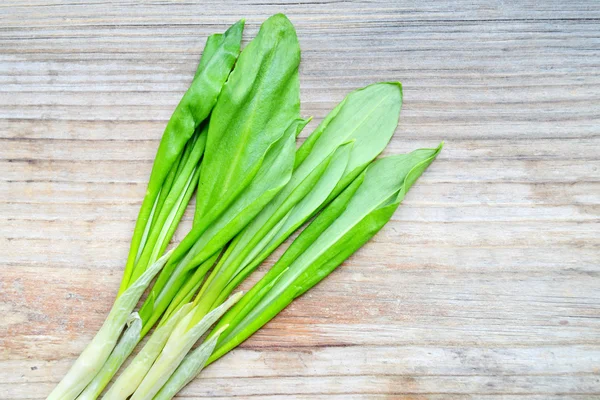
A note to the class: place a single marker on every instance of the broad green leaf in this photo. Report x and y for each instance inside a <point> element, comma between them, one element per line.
<point>258,102</point>
<point>345,225</point>
<point>195,106</point>
<point>367,117</point>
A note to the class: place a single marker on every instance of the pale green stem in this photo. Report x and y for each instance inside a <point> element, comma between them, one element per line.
<point>135,372</point>
<point>130,338</point>
<point>97,352</point>
<point>189,368</point>
<point>179,344</point>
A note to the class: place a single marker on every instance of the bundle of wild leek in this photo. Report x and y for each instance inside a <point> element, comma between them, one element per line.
<point>174,176</point>
<point>339,150</point>
<point>254,191</point>
<point>357,214</point>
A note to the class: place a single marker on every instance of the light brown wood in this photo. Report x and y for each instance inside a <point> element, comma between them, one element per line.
<point>486,283</point>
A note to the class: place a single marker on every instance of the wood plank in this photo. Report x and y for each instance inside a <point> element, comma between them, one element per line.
<point>484,285</point>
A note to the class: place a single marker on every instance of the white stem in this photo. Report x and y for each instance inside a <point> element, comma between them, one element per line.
<point>126,344</point>
<point>189,368</point>
<point>97,352</point>
<point>135,372</point>
<point>179,344</point>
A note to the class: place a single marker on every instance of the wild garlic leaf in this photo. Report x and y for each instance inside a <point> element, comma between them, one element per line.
<point>194,107</point>
<point>257,104</point>
<point>274,173</point>
<point>368,117</point>
<point>295,217</point>
<point>345,225</point>
<point>182,189</point>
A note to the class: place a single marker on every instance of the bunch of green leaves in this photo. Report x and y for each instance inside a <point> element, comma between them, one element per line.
<point>322,166</point>
<point>249,157</point>
<point>341,147</point>
<point>344,226</point>
<point>174,176</point>
<point>173,167</point>
<point>254,191</point>
<point>351,219</point>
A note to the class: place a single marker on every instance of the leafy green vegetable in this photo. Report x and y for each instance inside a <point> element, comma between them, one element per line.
<point>250,139</point>
<point>330,159</point>
<point>249,155</point>
<point>174,176</point>
<point>195,106</point>
<point>354,133</point>
<point>359,212</point>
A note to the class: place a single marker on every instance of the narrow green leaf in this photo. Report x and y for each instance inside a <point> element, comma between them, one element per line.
<point>258,102</point>
<point>148,312</point>
<point>193,108</point>
<point>185,294</point>
<point>166,221</point>
<point>343,227</point>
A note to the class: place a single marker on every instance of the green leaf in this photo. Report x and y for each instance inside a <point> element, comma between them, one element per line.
<point>274,173</point>
<point>173,207</point>
<point>194,107</point>
<point>326,163</point>
<point>345,225</point>
<point>258,102</point>
<point>254,253</point>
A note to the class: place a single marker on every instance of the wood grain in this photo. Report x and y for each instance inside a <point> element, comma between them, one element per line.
<point>486,283</point>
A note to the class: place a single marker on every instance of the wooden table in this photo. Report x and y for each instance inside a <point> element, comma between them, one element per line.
<point>486,284</point>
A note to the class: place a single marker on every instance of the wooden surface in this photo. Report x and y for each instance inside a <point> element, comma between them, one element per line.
<point>486,284</point>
